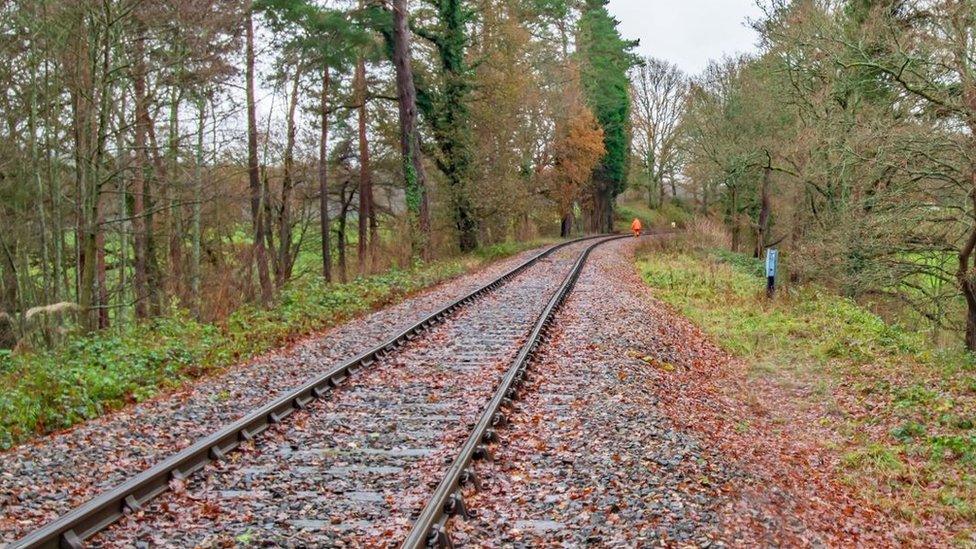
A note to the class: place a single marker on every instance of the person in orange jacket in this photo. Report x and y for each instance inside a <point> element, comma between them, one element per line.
<point>636,227</point>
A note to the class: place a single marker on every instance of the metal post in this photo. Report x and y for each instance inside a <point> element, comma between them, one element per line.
<point>772,257</point>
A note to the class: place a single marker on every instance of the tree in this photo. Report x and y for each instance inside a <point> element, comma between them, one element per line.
<point>257,195</point>
<point>605,60</point>
<point>125,126</point>
<point>414,173</point>
<point>577,150</point>
<point>331,39</point>
<point>141,248</point>
<point>659,91</point>
<point>935,66</point>
<point>446,106</point>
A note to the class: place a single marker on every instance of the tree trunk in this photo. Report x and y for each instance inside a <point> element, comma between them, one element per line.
<point>9,296</point>
<point>174,190</point>
<point>284,218</point>
<point>418,202</point>
<point>82,121</point>
<point>600,216</point>
<point>154,272</point>
<point>140,248</point>
<point>966,276</point>
<point>257,217</point>
<point>967,283</point>
<point>734,218</point>
<point>762,227</point>
<point>324,179</point>
<point>365,183</point>
<point>566,226</point>
<point>105,97</point>
<point>651,191</point>
<point>267,221</point>
<point>346,203</point>
<point>100,278</point>
<point>196,235</point>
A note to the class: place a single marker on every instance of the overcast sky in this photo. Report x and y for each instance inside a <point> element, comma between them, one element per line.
<point>688,32</point>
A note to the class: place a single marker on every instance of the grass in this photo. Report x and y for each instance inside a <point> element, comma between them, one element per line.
<point>657,218</point>
<point>903,411</point>
<point>90,375</point>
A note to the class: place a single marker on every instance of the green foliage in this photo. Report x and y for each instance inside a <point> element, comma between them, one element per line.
<point>332,37</point>
<point>605,59</point>
<point>742,262</point>
<point>446,107</point>
<point>90,375</point>
<point>909,431</point>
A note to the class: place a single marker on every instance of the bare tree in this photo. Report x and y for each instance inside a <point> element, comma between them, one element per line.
<point>660,90</point>
<point>257,217</point>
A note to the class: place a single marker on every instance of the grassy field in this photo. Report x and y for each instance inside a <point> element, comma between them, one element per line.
<point>89,375</point>
<point>903,412</point>
<point>657,218</point>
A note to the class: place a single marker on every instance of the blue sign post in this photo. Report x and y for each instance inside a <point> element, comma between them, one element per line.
<point>772,258</point>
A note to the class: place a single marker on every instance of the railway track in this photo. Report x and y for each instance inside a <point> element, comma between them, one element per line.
<point>431,527</point>
<point>344,463</point>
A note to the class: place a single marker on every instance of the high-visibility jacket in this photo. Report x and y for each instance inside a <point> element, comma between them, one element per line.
<point>636,226</point>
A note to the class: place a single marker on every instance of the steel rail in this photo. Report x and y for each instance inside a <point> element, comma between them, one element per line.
<point>430,528</point>
<point>72,529</point>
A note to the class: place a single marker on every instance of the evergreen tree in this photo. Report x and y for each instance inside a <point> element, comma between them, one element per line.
<point>605,59</point>
<point>446,107</point>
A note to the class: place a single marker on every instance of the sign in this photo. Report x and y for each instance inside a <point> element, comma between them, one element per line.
<point>772,258</point>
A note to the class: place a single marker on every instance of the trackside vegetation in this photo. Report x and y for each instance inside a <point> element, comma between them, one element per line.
<point>903,411</point>
<point>53,389</point>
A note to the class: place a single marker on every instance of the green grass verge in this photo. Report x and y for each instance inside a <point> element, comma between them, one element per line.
<point>904,411</point>
<point>90,375</point>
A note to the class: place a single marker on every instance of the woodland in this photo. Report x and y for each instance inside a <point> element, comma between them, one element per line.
<point>200,155</point>
<point>847,141</point>
<point>201,167</point>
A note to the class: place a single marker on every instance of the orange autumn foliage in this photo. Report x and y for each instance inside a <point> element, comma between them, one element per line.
<point>577,149</point>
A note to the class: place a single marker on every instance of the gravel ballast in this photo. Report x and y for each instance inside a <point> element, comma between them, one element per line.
<point>354,467</point>
<point>633,431</point>
<point>45,478</point>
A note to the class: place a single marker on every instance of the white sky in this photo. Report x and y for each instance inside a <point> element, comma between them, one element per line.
<point>688,32</point>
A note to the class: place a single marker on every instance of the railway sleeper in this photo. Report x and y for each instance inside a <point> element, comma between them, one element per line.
<point>439,538</point>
